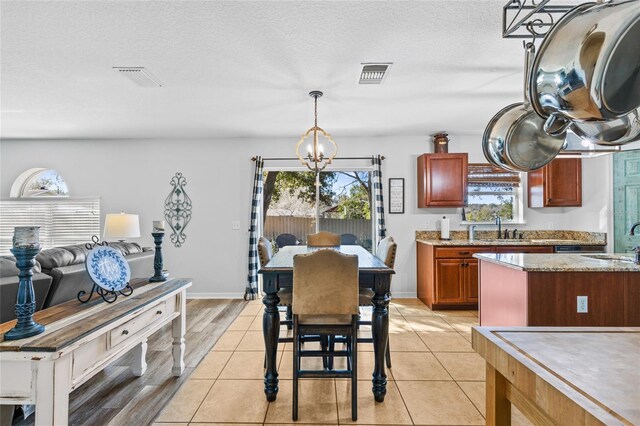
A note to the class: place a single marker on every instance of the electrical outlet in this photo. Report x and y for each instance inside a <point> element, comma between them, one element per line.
<point>550,226</point>
<point>235,225</point>
<point>582,305</point>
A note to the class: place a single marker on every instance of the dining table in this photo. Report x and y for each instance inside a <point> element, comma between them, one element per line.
<point>373,274</point>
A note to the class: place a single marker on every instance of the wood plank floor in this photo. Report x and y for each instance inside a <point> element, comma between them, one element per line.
<point>116,395</point>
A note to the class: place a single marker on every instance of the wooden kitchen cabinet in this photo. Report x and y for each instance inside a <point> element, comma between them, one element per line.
<point>442,180</point>
<point>558,184</point>
<point>448,276</point>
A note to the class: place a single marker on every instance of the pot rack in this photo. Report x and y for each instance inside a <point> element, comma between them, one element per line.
<point>531,19</point>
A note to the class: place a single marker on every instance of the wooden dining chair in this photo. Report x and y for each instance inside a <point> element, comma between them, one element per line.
<point>325,302</point>
<point>264,255</point>
<point>348,240</point>
<point>387,253</point>
<point>323,239</point>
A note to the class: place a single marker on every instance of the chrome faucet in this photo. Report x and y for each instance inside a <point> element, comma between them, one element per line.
<point>499,223</point>
<point>636,249</point>
<point>472,232</point>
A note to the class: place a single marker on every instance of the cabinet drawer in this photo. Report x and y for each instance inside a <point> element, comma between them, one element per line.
<point>461,252</point>
<point>143,320</point>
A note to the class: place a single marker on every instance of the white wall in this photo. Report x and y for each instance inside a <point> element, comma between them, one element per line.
<point>133,176</point>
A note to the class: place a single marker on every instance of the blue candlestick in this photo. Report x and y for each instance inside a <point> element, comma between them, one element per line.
<point>26,299</point>
<point>157,259</point>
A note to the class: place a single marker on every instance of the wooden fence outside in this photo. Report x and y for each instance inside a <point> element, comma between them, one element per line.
<point>301,226</point>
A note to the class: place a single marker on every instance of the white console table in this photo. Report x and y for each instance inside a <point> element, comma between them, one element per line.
<point>81,340</point>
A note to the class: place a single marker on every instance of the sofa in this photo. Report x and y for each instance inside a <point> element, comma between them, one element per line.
<point>60,274</point>
<point>9,287</point>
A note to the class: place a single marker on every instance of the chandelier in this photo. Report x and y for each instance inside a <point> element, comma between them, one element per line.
<point>314,155</point>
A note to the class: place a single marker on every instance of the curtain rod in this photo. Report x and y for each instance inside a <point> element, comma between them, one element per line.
<point>297,159</point>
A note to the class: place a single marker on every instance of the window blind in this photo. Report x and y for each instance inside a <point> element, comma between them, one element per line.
<point>488,175</point>
<point>62,221</point>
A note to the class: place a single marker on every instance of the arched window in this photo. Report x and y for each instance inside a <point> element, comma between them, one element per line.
<point>39,182</point>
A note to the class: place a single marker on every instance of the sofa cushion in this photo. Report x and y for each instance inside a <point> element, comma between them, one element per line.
<point>8,267</point>
<point>126,248</point>
<point>55,258</point>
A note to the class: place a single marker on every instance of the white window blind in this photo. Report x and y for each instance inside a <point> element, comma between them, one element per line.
<point>62,221</point>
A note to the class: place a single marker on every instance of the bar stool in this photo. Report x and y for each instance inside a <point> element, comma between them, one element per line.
<point>325,302</point>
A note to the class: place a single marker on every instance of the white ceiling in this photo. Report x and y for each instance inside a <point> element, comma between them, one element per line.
<point>243,69</point>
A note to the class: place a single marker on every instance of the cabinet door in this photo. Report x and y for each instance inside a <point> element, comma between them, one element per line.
<point>558,184</point>
<point>564,183</point>
<point>442,180</point>
<point>449,281</point>
<point>471,280</point>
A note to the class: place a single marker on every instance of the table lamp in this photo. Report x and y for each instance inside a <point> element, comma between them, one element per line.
<point>121,226</point>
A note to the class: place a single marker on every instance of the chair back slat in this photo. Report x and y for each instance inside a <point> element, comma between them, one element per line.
<point>325,282</point>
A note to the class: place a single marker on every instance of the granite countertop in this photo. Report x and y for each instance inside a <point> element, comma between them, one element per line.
<point>562,262</point>
<point>531,238</point>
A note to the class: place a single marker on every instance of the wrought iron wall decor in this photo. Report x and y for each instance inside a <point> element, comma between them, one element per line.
<point>177,209</point>
<point>531,18</point>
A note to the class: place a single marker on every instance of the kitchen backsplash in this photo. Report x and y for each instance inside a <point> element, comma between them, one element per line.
<point>592,237</point>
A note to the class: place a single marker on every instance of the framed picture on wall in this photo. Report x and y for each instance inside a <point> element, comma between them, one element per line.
<point>396,195</point>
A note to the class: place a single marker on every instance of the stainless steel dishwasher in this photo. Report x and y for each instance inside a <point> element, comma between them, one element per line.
<point>579,249</point>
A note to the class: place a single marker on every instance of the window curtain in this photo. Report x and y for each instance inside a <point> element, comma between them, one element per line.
<point>381,230</point>
<point>251,291</point>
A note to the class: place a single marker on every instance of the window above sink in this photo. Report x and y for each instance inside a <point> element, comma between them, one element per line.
<point>492,192</point>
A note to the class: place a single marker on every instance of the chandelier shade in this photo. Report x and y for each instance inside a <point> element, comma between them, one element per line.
<point>310,150</point>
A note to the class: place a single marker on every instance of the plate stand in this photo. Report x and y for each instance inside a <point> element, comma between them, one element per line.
<point>107,295</point>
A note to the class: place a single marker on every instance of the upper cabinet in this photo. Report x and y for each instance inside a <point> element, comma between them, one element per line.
<point>442,180</point>
<point>558,184</point>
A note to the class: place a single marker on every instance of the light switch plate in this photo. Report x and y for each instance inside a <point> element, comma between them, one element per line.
<point>235,225</point>
<point>583,307</point>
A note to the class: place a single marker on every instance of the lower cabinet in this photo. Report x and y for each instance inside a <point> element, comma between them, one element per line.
<point>448,276</point>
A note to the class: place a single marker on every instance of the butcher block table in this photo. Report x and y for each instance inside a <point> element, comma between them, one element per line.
<point>562,376</point>
<point>82,339</point>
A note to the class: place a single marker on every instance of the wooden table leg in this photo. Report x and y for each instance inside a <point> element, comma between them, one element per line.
<point>270,331</point>
<point>179,327</point>
<point>139,359</point>
<point>380,334</point>
<point>52,392</point>
<point>498,406</point>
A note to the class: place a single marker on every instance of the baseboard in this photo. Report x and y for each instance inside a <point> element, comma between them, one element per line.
<point>215,295</point>
<point>404,294</point>
<point>399,295</point>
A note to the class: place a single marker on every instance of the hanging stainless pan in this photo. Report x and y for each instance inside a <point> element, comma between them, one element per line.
<point>514,139</point>
<point>588,66</point>
<point>610,132</point>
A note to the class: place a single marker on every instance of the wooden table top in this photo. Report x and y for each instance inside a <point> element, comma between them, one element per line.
<point>282,261</point>
<point>85,318</point>
<point>596,368</point>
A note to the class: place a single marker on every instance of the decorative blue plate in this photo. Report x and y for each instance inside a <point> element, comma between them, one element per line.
<point>108,268</point>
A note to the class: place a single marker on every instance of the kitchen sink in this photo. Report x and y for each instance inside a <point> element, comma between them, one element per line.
<point>503,240</point>
<point>610,257</point>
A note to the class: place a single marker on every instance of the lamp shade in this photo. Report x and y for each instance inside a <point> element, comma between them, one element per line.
<point>121,226</point>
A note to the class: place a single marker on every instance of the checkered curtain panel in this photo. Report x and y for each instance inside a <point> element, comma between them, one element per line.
<point>381,230</point>
<point>251,291</point>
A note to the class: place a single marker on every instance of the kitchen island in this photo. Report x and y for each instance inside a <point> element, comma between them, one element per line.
<point>558,290</point>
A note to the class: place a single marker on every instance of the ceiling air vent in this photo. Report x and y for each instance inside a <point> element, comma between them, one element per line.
<point>374,73</point>
<point>139,75</point>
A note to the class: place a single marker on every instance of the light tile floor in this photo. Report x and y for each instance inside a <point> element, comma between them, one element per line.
<point>436,379</point>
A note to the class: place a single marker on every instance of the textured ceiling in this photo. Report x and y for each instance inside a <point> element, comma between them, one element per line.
<point>238,69</point>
